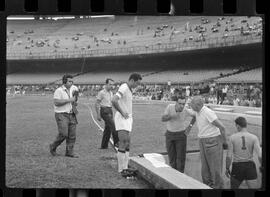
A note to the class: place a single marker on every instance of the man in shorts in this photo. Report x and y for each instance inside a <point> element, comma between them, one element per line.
<point>122,102</point>
<point>241,147</point>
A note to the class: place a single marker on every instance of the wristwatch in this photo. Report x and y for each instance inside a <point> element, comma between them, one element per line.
<point>190,125</point>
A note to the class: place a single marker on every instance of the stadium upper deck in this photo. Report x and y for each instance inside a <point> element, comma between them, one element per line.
<point>125,35</point>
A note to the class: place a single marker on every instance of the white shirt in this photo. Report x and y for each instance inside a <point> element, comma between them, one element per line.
<point>105,98</point>
<point>179,120</point>
<point>62,93</point>
<point>204,120</point>
<point>125,101</point>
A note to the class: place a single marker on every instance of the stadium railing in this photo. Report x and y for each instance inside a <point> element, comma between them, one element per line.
<point>154,48</point>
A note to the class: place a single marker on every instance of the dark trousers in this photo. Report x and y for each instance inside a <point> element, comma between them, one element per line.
<point>66,124</point>
<point>106,114</point>
<point>176,143</point>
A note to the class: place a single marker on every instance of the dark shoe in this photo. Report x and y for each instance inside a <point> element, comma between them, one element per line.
<point>132,171</point>
<point>127,173</point>
<point>52,150</point>
<point>72,155</point>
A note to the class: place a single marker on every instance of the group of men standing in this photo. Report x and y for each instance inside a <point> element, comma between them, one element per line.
<point>212,141</point>
<point>179,118</point>
<point>65,102</point>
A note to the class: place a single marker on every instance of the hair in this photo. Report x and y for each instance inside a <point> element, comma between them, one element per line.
<point>65,77</point>
<point>179,94</point>
<point>241,121</point>
<point>108,80</point>
<point>135,77</point>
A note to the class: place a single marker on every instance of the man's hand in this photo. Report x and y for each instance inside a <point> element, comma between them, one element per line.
<point>187,131</point>
<point>225,146</point>
<point>228,173</point>
<point>125,115</point>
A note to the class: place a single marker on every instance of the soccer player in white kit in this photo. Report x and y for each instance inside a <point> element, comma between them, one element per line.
<point>122,102</point>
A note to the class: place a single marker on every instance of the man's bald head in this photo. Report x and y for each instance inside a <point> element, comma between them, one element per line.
<point>197,103</point>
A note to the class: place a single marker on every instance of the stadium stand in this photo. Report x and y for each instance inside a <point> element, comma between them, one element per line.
<point>251,76</point>
<point>128,34</point>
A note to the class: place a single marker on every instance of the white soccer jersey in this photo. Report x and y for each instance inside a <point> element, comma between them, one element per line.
<point>125,102</point>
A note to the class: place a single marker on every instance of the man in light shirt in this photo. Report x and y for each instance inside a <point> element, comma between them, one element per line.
<point>122,102</point>
<point>178,124</point>
<point>103,108</point>
<point>242,145</point>
<point>212,140</point>
<point>65,117</point>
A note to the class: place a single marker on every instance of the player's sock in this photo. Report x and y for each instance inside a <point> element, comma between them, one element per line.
<point>121,159</point>
<point>126,159</point>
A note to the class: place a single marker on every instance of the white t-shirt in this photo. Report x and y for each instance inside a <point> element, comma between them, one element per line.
<point>125,102</point>
<point>179,120</point>
<point>60,93</point>
<point>204,120</point>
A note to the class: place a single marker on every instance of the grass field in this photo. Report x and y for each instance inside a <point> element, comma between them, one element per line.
<point>31,127</point>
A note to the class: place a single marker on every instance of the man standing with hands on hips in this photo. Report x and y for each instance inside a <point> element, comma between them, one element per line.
<point>122,102</point>
<point>103,108</point>
<point>65,116</point>
<point>212,141</point>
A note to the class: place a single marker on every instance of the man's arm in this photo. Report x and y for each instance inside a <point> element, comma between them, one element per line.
<point>229,158</point>
<point>97,108</point>
<point>221,127</point>
<point>190,125</point>
<point>165,118</point>
<point>61,102</point>
<point>116,105</point>
<point>258,150</point>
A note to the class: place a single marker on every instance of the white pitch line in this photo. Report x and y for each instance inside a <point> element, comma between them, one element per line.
<point>96,123</point>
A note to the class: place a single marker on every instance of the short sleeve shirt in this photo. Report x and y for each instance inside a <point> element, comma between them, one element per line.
<point>125,95</point>
<point>204,120</point>
<point>105,98</point>
<point>179,120</point>
<point>62,93</point>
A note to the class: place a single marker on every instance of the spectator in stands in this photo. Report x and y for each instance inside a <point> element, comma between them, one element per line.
<point>249,92</point>
<point>212,140</point>
<point>236,101</point>
<point>224,93</point>
<point>219,94</point>
<point>178,124</point>
<point>65,117</point>
<point>103,108</point>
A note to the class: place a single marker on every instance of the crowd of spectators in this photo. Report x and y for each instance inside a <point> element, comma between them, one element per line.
<point>221,94</point>
<point>106,37</point>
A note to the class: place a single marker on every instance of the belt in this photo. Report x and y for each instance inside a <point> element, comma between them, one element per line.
<point>65,113</point>
<point>105,107</point>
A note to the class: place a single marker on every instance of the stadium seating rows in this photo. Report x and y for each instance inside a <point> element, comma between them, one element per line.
<point>252,76</point>
<point>97,77</point>
<point>49,36</point>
